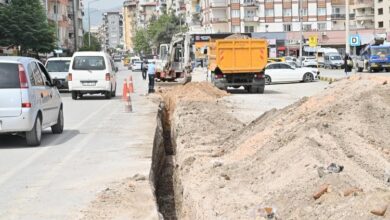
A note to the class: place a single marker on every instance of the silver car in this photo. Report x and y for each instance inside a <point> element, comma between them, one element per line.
<point>29,102</point>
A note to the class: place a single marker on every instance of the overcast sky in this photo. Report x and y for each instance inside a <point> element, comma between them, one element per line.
<point>97,8</point>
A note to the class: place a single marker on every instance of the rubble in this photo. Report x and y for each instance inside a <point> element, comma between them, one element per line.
<point>277,158</point>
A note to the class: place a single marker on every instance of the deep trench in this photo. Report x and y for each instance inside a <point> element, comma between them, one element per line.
<point>162,170</point>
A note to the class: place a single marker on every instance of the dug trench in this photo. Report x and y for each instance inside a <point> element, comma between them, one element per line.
<point>208,165</point>
<point>162,169</point>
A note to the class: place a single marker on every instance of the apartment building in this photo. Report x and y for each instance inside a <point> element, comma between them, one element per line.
<point>364,11</point>
<point>2,2</point>
<point>382,14</point>
<point>113,24</point>
<point>57,14</point>
<point>129,23</point>
<point>146,10</point>
<point>75,10</point>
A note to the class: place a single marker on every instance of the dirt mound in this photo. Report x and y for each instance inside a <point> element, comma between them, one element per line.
<point>325,157</point>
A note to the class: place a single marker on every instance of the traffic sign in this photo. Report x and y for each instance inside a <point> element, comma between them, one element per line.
<point>313,41</point>
<point>354,40</point>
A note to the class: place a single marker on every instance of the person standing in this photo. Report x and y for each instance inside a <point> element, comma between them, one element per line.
<point>348,64</point>
<point>144,68</point>
<point>151,74</point>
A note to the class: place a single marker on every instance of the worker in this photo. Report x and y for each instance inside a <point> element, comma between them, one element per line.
<point>348,64</point>
<point>144,68</point>
<point>151,74</point>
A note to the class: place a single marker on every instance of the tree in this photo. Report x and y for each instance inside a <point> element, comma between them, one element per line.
<point>141,42</point>
<point>95,44</point>
<point>23,24</point>
<point>159,31</point>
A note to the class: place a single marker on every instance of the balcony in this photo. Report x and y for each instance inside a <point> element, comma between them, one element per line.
<point>250,3</point>
<point>251,19</point>
<point>364,17</point>
<point>219,20</point>
<point>54,17</point>
<point>364,4</point>
<point>218,4</point>
<point>342,16</point>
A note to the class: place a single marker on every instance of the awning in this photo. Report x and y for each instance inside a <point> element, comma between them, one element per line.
<point>281,48</point>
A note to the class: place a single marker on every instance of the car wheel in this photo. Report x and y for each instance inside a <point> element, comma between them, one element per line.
<point>59,127</point>
<point>268,80</point>
<point>33,137</point>
<point>108,95</point>
<point>74,95</point>
<point>360,69</point>
<point>308,77</point>
<point>113,94</point>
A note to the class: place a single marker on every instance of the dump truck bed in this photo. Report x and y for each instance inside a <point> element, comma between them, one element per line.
<point>239,55</point>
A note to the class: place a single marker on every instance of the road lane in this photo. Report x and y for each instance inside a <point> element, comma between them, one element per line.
<point>101,144</point>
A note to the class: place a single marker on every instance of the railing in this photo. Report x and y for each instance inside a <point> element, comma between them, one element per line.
<point>250,18</point>
<point>218,3</point>
<point>219,20</point>
<point>250,3</point>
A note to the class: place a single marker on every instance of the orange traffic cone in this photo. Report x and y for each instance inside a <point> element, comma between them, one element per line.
<point>131,86</point>
<point>128,105</point>
<point>125,91</point>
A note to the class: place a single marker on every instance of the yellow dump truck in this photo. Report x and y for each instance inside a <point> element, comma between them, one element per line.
<point>238,62</point>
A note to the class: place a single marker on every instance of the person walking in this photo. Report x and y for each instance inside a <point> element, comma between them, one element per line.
<point>144,68</point>
<point>151,74</point>
<point>348,64</point>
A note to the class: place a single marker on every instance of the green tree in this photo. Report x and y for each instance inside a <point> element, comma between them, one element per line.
<point>95,44</point>
<point>141,42</point>
<point>23,24</point>
<point>159,31</point>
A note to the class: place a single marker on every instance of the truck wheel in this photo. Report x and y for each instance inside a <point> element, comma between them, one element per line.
<point>260,89</point>
<point>108,94</point>
<point>253,89</point>
<point>74,95</point>
<point>33,137</point>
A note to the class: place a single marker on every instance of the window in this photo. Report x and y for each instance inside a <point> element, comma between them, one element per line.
<point>380,11</point>
<point>269,12</point>
<point>235,13</point>
<point>36,75</point>
<point>380,24</point>
<point>304,11</point>
<point>235,1</point>
<point>250,13</point>
<point>321,26</point>
<point>336,11</point>
<point>55,9</point>
<point>236,29</point>
<point>249,29</point>
<point>321,11</point>
<point>9,76</point>
<point>284,66</point>
<point>89,63</point>
<point>307,27</point>
<point>287,12</point>
<point>287,27</point>
<point>58,65</point>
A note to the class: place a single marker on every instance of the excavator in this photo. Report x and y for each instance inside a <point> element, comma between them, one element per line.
<point>175,61</point>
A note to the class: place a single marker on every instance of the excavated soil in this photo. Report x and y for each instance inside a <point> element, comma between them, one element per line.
<point>272,168</point>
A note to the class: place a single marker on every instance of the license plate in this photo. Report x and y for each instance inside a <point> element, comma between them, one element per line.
<point>89,84</point>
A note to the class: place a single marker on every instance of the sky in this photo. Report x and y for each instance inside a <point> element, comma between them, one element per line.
<point>97,8</point>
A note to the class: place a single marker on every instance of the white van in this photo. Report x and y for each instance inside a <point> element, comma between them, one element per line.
<point>92,73</point>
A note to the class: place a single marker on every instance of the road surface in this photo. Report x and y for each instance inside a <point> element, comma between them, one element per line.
<point>101,144</point>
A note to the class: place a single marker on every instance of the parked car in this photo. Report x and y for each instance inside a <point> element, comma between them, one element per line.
<point>274,60</point>
<point>29,101</point>
<point>92,73</point>
<point>117,58</point>
<point>137,65</point>
<point>309,62</point>
<point>132,60</point>
<point>333,61</point>
<point>283,72</point>
<point>58,68</point>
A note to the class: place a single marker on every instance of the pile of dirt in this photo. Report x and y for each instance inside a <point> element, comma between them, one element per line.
<point>324,157</point>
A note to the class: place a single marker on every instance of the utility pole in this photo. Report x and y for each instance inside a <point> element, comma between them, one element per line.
<point>57,31</point>
<point>301,34</point>
<point>75,24</point>
<point>347,47</point>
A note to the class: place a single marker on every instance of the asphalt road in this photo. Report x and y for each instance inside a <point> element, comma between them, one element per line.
<point>101,144</point>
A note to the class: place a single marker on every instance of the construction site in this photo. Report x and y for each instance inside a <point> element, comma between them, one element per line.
<point>323,157</point>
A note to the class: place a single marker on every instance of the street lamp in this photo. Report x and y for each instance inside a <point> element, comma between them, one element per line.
<point>89,22</point>
<point>301,34</point>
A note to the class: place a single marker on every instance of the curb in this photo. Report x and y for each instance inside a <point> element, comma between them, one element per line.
<point>328,79</point>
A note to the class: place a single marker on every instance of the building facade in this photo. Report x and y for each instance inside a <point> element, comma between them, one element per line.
<point>382,14</point>
<point>113,24</point>
<point>129,23</point>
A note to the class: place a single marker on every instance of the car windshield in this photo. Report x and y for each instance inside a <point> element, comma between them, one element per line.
<point>335,57</point>
<point>9,76</point>
<point>380,51</point>
<point>89,63</point>
<point>58,65</point>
